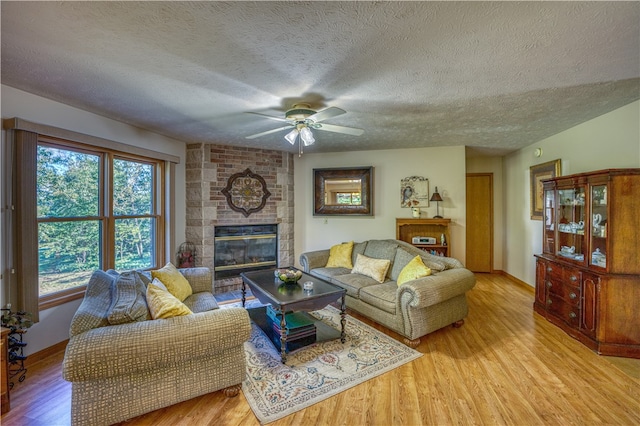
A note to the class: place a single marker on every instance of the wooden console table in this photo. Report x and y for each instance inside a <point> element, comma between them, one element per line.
<point>407,228</point>
<point>4,370</point>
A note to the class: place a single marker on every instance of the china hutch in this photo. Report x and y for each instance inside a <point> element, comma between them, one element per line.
<point>588,274</point>
<point>437,231</point>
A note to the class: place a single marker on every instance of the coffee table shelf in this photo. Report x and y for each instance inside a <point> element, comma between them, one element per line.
<point>269,290</point>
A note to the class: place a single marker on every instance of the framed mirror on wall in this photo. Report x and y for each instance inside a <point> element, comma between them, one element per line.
<point>343,191</point>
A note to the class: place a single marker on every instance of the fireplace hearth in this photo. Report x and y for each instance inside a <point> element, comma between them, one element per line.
<point>242,248</point>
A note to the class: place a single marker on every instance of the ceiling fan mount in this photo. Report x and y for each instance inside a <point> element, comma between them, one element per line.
<point>299,112</point>
<point>300,118</point>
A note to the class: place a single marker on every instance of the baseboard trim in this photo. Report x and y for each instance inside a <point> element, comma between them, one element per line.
<point>521,283</point>
<point>45,353</point>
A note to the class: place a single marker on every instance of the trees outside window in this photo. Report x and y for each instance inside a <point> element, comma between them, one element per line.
<point>95,210</point>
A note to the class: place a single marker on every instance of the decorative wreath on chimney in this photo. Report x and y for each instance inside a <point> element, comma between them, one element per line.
<point>246,192</point>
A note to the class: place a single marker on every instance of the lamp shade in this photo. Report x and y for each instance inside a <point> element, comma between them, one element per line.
<point>436,196</point>
<point>307,136</point>
<point>292,136</point>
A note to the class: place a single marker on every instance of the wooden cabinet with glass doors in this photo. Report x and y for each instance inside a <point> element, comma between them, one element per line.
<point>588,274</point>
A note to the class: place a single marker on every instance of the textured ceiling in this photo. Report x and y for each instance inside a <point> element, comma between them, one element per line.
<point>493,76</point>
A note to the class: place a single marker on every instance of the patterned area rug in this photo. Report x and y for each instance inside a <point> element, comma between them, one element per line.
<point>318,371</point>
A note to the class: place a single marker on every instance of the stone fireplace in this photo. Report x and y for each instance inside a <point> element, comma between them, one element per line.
<point>208,168</point>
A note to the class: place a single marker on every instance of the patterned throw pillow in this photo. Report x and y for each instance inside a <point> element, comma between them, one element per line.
<point>127,299</point>
<point>340,256</point>
<point>163,304</point>
<point>374,268</point>
<point>175,282</point>
<point>413,270</point>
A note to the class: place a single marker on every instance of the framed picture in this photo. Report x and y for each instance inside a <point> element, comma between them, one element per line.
<point>537,174</point>
<point>414,192</point>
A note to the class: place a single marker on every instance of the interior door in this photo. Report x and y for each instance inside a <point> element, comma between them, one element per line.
<point>479,252</point>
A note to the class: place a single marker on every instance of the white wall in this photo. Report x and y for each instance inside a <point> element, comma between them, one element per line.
<point>54,323</point>
<point>444,167</point>
<point>609,141</point>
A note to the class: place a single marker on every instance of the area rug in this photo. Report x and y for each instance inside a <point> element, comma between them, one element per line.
<point>318,371</point>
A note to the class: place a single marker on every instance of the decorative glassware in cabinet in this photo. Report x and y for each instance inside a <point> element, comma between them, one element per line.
<point>571,223</point>
<point>549,245</point>
<point>599,225</point>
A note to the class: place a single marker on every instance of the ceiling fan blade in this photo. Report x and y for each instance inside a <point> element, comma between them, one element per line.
<point>268,132</point>
<point>326,113</point>
<point>270,117</point>
<point>339,129</point>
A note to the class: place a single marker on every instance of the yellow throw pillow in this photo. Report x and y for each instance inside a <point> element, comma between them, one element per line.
<point>340,256</point>
<point>413,270</point>
<point>163,304</point>
<point>175,282</point>
<point>374,268</point>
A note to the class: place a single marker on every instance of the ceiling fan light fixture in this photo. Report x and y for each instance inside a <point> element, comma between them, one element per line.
<point>307,136</point>
<point>292,136</point>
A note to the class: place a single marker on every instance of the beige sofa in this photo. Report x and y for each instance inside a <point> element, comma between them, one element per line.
<point>413,309</point>
<point>123,364</point>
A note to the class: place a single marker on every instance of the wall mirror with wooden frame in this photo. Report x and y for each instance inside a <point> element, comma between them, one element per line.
<point>343,191</point>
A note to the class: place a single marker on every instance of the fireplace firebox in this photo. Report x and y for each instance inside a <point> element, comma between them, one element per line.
<point>242,248</point>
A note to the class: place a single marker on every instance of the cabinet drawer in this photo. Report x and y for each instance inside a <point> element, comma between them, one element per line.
<point>571,276</point>
<point>568,293</point>
<point>568,312</point>
<point>553,271</point>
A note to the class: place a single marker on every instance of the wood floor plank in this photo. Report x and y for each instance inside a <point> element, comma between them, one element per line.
<point>505,366</point>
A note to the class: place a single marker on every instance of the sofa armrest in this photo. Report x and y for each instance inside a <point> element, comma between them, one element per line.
<point>436,288</point>
<point>200,278</point>
<point>314,259</point>
<point>141,346</point>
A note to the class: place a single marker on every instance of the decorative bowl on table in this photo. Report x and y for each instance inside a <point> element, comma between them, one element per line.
<point>288,276</point>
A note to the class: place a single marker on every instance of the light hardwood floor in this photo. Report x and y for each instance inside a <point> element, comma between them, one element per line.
<point>506,365</point>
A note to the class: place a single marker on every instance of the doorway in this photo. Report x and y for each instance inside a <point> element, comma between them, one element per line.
<point>479,233</point>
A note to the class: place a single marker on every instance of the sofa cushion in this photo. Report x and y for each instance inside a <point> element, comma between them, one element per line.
<point>328,273</point>
<point>340,256</point>
<point>358,248</point>
<point>382,296</point>
<point>201,302</point>
<point>128,302</point>
<point>382,249</point>
<point>93,315</point>
<point>353,283</point>
<point>403,258</point>
<point>175,282</point>
<point>414,270</point>
<point>374,268</point>
<point>163,304</point>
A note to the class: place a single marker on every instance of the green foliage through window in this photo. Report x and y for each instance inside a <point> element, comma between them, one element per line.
<point>73,232</point>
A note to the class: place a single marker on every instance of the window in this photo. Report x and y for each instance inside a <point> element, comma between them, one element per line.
<point>79,203</point>
<point>350,198</point>
<point>96,210</point>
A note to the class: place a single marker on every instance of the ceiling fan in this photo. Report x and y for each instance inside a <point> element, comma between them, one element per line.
<point>301,119</point>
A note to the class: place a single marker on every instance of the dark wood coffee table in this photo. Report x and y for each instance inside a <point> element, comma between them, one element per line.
<point>270,290</point>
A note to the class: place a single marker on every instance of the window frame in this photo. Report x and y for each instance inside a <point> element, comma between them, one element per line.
<point>20,240</point>
<point>105,214</point>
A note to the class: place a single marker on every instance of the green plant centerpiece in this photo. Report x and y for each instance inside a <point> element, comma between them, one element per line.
<point>288,276</point>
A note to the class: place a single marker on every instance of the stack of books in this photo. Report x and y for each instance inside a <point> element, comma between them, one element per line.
<point>301,330</point>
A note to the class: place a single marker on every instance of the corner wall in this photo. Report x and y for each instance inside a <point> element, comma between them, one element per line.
<point>609,141</point>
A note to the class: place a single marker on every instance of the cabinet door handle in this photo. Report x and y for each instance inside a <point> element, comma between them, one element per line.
<point>549,284</point>
<point>548,301</point>
<point>572,295</point>
<point>572,315</point>
<point>573,278</point>
<point>549,269</point>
